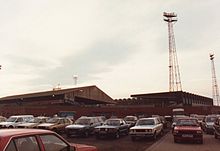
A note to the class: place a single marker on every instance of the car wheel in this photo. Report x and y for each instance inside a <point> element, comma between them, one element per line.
<point>161,133</point>
<point>155,135</point>
<point>10,126</point>
<point>117,135</point>
<point>216,136</point>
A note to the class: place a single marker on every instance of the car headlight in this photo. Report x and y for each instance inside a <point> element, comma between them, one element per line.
<point>148,130</point>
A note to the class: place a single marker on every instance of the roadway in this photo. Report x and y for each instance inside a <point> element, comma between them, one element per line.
<point>166,143</point>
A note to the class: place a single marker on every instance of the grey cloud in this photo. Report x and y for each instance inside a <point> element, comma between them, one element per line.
<point>98,58</point>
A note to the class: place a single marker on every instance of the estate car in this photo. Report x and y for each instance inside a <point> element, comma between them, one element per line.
<point>146,127</point>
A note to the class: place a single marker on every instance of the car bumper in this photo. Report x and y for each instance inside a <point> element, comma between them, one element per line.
<point>188,137</point>
<point>105,134</point>
<point>75,132</point>
<point>141,134</point>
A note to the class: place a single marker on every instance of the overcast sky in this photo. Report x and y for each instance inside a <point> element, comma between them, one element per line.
<point>121,46</point>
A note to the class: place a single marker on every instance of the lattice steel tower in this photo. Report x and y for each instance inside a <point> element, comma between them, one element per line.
<point>174,74</point>
<point>215,91</point>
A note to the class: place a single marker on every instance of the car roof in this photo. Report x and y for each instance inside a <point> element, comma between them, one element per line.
<point>18,132</point>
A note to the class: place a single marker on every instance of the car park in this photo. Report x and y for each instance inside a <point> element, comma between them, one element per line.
<point>84,126</point>
<point>131,120</point>
<point>216,127</point>
<point>187,129</point>
<point>146,127</point>
<point>208,122</point>
<point>56,124</point>
<point>13,121</point>
<point>114,127</point>
<point>37,140</point>
<point>33,123</point>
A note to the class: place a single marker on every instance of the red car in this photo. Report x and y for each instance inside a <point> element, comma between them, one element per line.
<point>37,140</point>
<point>188,129</point>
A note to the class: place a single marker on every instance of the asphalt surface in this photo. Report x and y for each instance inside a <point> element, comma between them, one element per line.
<point>124,143</point>
<point>167,144</point>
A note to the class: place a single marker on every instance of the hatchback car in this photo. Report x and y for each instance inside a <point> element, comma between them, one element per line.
<point>83,126</point>
<point>114,127</point>
<point>37,140</point>
<point>187,129</point>
<point>56,124</point>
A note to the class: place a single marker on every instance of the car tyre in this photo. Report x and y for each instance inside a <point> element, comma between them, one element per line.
<point>175,141</point>
<point>117,135</point>
<point>162,132</point>
<point>215,135</point>
<point>155,135</point>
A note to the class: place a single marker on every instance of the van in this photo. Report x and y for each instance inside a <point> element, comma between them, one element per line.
<point>13,121</point>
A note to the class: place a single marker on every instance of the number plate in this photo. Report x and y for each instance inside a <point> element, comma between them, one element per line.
<point>187,135</point>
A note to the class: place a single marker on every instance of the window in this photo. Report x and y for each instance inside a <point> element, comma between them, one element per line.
<point>11,147</point>
<point>23,144</point>
<point>53,143</point>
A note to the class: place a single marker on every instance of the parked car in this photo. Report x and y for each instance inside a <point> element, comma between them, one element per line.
<point>131,120</point>
<point>84,126</point>
<point>37,140</point>
<point>208,122</point>
<point>33,123</point>
<point>188,129</point>
<point>146,127</point>
<point>56,124</point>
<point>217,128</point>
<point>13,121</point>
<point>175,119</point>
<point>114,127</point>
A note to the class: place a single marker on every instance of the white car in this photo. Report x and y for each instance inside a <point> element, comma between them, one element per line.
<point>146,127</point>
<point>13,121</point>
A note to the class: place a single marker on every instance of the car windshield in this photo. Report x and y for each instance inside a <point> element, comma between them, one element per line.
<point>210,119</point>
<point>187,122</point>
<point>11,119</point>
<point>146,122</point>
<point>112,122</point>
<point>83,121</point>
<point>53,120</point>
<point>36,120</point>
